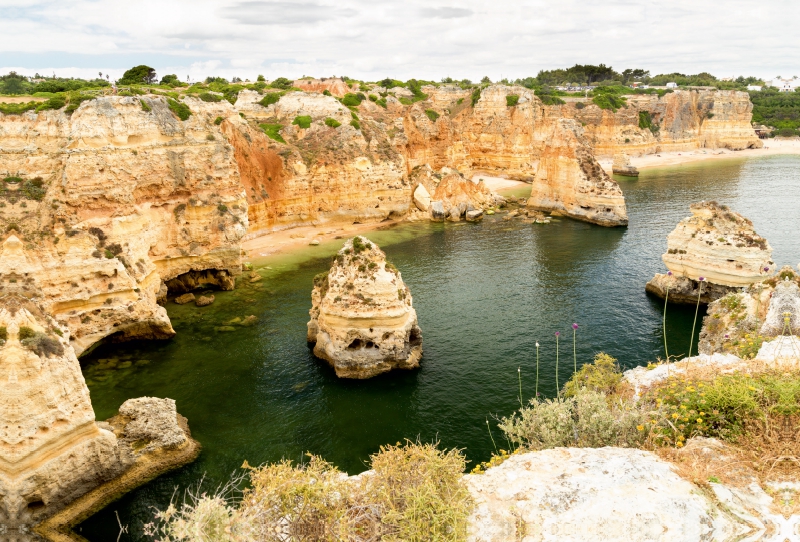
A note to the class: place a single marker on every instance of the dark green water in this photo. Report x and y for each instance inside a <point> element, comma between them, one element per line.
<point>484,293</point>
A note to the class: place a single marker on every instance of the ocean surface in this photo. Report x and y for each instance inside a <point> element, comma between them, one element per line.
<point>484,294</point>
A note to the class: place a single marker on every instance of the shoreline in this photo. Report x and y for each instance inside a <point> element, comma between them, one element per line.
<point>772,147</point>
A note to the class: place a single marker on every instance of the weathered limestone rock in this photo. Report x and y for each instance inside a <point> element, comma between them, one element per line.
<point>422,199</point>
<point>362,319</point>
<point>474,216</point>
<point>622,166</point>
<point>579,494</point>
<point>570,182</point>
<point>52,451</point>
<point>714,243</point>
<point>769,309</point>
<point>437,211</point>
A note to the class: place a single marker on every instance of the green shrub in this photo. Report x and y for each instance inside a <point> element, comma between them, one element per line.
<point>551,99</point>
<point>270,98</point>
<point>326,92</point>
<point>282,83</point>
<point>609,98</point>
<point>587,419</point>
<point>75,101</point>
<point>170,79</point>
<point>433,115</point>
<point>26,332</point>
<point>579,105</point>
<point>210,137</point>
<point>476,95</point>
<point>303,121</point>
<point>352,100</point>
<point>208,97</point>
<point>33,189</point>
<point>645,120</point>
<point>138,75</point>
<point>17,109</point>
<point>333,123</point>
<point>602,375</point>
<point>373,98</point>
<point>180,109</point>
<point>273,131</point>
<point>382,102</point>
<point>222,208</point>
<point>145,106</point>
<point>355,124</point>
<point>512,100</point>
<point>218,121</point>
<point>56,102</point>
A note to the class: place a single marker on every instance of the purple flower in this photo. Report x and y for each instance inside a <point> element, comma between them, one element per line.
<point>574,326</point>
<point>669,273</point>
<point>701,279</point>
<point>766,269</point>
<point>558,333</point>
<point>727,336</point>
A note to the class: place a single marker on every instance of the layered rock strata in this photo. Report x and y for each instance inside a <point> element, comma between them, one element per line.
<point>114,202</point>
<point>570,182</point>
<point>717,245</point>
<point>362,319</point>
<point>682,120</point>
<point>52,451</point>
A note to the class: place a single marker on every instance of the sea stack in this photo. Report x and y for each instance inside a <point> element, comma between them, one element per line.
<point>362,319</point>
<point>622,166</point>
<point>570,182</point>
<point>717,245</point>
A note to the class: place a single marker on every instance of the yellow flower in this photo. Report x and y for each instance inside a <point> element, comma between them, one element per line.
<point>683,407</point>
<point>675,415</point>
<point>751,388</point>
<point>640,427</point>
<point>699,420</point>
<point>679,444</point>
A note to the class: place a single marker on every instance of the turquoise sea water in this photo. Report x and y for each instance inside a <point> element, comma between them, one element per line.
<point>484,294</point>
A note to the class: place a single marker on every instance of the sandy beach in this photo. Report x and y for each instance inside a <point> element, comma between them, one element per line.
<point>771,148</point>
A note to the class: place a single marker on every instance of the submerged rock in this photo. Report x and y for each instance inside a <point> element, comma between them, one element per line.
<point>184,299</point>
<point>204,301</point>
<point>362,319</point>
<point>716,244</point>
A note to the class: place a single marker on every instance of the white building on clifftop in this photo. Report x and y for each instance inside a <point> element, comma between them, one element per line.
<point>785,85</point>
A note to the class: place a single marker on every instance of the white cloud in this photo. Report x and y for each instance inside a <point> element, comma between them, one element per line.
<point>417,38</point>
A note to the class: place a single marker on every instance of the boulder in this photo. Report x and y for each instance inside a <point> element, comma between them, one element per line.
<point>204,301</point>
<point>184,299</point>
<point>474,216</point>
<point>362,319</point>
<point>437,211</point>
<point>454,214</point>
<point>422,199</point>
<point>622,166</point>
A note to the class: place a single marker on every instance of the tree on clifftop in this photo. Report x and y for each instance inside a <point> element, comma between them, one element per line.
<point>138,75</point>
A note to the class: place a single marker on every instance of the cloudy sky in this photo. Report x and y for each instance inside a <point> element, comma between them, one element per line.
<point>371,39</point>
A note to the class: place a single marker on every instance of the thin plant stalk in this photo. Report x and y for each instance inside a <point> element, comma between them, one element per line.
<point>537,370</point>
<point>491,436</point>
<point>664,324</point>
<point>558,390</point>
<point>574,351</point>
<point>519,376</point>
<point>696,310</point>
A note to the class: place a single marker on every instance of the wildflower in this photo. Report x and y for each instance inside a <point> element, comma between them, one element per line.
<point>669,273</point>
<point>699,420</point>
<point>679,444</point>
<point>675,415</point>
<point>558,333</point>
<point>701,279</point>
<point>766,269</point>
<point>574,326</point>
<point>640,427</point>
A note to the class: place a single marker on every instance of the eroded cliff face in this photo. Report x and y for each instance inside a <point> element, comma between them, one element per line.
<point>51,449</point>
<point>362,319</point>
<point>113,202</point>
<point>678,121</point>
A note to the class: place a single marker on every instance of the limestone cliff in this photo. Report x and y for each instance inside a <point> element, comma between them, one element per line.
<point>447,194</point>
<point>678,121</point>
<point>51,450</point>
<point>103,207</point>
<point>716,244</point>
<point>362,319</point>
<point>570,182</point>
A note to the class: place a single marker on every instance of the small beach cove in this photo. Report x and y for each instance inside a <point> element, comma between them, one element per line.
<point>484,294</point>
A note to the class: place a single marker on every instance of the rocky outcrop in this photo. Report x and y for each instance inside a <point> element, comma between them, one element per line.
<point>362,319</point>
<point>457,195</point>
<point>682,120</point>
<point>717,245</point>
<point>115,200</point>
<point>334,85</point>
<point>570,182</point>
<point>738,322</point>
<point>567,494</point>
<point>52,451</point>
<point>622,166</point>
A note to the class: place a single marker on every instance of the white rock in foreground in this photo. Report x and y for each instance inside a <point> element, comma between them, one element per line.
<point>592,494</point>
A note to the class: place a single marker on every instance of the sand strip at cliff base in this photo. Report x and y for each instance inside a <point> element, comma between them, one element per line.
<point>771,147</point>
